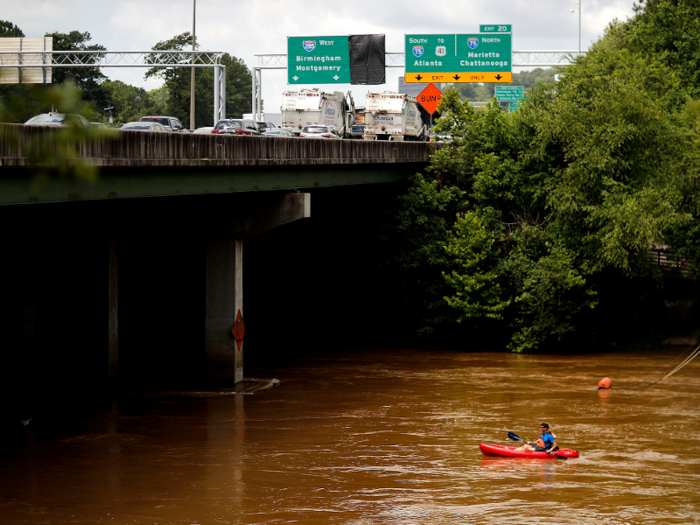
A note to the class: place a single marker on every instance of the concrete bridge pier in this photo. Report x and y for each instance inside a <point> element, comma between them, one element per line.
<point>228,227</point>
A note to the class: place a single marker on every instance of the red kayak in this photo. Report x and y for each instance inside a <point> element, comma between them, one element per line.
<point>511,452</point>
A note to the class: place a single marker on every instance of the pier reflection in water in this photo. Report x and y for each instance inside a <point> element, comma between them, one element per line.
<point>381,436</point>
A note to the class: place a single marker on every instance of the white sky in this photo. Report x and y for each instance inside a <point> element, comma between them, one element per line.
<point>247,28</point>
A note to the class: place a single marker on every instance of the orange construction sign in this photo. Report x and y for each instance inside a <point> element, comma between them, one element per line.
<point>430,98</point>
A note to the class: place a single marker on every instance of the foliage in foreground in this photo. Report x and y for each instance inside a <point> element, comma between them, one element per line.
<point>55,154</point>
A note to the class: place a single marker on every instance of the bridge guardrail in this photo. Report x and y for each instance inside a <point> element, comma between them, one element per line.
<point>143,149</point>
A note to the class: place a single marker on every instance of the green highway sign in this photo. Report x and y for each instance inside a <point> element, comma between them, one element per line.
<point>457,56</point>
<point>318,60</point>
<point>496,28</point>
<point>511,94</point>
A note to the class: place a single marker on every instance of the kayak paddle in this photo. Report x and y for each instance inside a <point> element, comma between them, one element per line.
<point>516,437</point>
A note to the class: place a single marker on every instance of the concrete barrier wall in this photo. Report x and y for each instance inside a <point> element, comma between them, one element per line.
<point>136,148</point>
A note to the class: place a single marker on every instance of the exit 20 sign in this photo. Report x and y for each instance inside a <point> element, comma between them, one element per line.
<point>430,98</point>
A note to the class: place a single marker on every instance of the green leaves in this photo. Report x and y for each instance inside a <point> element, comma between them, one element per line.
<point>178,84</point>
<point>56,154</point>
<point>8,29</point>
<point>550,293</point>
<point>561,201</point>
<point>87,79</point>
<point>477,292</point>
<point>131,103</point>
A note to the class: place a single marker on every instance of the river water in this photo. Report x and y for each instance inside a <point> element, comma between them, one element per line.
<point>376,437</point>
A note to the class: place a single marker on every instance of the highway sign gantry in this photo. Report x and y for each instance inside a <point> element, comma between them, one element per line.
<point>473,57</point>
<point>318,60</point>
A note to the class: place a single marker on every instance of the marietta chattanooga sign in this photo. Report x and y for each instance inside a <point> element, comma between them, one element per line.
<point>475,57</point>
<point>318,60</point>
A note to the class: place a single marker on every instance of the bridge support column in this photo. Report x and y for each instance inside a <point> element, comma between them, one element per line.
<point>241,217</point>
<point>224,299</point>
<point>113,305</point>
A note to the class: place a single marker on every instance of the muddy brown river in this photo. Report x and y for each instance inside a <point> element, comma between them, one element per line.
<point>376,437</point>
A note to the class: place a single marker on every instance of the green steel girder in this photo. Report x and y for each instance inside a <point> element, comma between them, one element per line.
<point>20,185</point>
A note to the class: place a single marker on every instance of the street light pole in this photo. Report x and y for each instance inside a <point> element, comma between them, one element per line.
<point>194,13</point>
<point>577,5</point>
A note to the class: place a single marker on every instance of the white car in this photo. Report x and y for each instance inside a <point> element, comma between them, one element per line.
<point>207,129</point>
<point>318,131</point>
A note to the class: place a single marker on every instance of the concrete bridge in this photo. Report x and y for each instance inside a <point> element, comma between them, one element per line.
<point>141,164</point>
<point>232,188</point>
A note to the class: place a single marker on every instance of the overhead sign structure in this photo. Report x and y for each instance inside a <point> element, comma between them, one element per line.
<point>430,98</point>
<point>510,94</point>
<point>318,60</point>
<point>474,57</point>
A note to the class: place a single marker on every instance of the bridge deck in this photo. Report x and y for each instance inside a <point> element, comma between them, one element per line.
<point>141,164</point>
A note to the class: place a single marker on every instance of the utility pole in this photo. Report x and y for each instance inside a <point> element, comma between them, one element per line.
<point>194,13</point>
<point>577,5</point>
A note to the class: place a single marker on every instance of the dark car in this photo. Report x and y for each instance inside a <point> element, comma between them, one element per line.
<point>236,126</point>
<point>358,130</point>
<point>169,123</point>
<point>263,126</point>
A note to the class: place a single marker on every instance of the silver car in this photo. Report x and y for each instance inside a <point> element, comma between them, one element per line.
<point>144,126</point>
<point>319,132</point>
<point>58,119</point>
<point>169,123</point>
<point>278,132</point>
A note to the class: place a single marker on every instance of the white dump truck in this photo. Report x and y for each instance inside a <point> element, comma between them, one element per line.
<point>393,116</point>
<point>311,106</point>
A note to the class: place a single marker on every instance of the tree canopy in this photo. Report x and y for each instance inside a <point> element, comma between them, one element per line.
<point>539,223</point>
<point>87,79</point>
<point>8,29</point>
<point>177,81</point>
<point>130,103</point>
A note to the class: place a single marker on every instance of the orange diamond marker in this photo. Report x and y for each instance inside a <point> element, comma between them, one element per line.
<point>429,98</point>
<point>238,330</point>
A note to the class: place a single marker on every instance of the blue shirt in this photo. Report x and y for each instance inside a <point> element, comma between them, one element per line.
<point>547,439</point>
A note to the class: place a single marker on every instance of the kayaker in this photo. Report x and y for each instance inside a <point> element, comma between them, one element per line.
<point>545,443</point>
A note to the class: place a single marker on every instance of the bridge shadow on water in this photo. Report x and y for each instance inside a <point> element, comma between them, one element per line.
<point>318,283</point>
<point>308,283</point>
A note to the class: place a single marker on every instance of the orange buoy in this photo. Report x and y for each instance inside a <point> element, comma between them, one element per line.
<point>603,393</point>
<point>604,383</point>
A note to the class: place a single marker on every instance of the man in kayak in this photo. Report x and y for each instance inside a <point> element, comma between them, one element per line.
<point>545,443</point>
